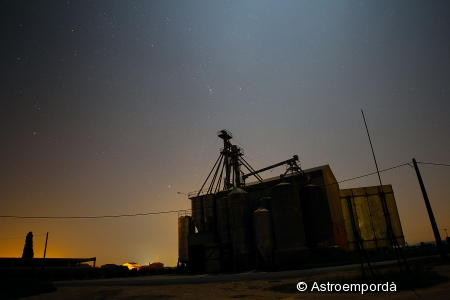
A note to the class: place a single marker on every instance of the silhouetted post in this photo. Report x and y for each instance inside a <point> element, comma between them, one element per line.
<point>45,251</point>
<point>392,238</point>
<point>430,213</point>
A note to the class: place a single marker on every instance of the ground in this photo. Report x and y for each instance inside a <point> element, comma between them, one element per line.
<point>257,289</point>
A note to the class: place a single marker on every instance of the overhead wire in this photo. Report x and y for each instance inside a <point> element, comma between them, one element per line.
<point>373,173</point>
<point>434,164</point>
<point>175,211</point>
<point>95,217</point>
<point>16,238</point>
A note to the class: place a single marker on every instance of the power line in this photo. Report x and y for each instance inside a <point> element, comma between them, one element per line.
<point>16,238</point>
<point>96,217</point>
<point>181,210</point>
<point>373,173</point>
<point>434,164</point>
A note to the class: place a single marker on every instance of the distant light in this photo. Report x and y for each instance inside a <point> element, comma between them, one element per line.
<point>131,265</point>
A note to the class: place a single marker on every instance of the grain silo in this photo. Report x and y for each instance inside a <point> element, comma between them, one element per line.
<point>209,212</point>
<point>264,238</point>
<point>184,229</point>
<point>198,213</point>
<point>241,229</point>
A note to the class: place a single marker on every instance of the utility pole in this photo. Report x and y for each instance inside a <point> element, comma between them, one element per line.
<point>437,236</point>
<point>45,252</point>
<point>390,231</point>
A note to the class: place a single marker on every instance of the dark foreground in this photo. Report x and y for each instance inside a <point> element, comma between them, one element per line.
<point>252,289</point>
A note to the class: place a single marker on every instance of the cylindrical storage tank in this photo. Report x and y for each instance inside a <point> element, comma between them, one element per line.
<point>241,229</point>
<point>316,213</point>
<point>184,227</point>
<point>265,203</point>
<point>209,211</point>
<point>240,218</point>
<point>197,213</point>
<point>223,221</point>
<point>291,251</point>
<point>287,217</point>
<point>264,238</point>
<point>223,232</point>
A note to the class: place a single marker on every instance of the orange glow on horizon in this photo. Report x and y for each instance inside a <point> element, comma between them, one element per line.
<point>131,265</point>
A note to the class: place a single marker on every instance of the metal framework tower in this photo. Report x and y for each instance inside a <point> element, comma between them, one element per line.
<point>231,162</point>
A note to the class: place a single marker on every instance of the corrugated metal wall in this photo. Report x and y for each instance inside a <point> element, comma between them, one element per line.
<point>369,216</point>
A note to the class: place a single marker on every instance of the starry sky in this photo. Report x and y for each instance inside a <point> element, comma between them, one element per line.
<point>112,107</point>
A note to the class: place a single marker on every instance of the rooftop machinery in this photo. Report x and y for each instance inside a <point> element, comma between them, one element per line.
<point>231,161</point>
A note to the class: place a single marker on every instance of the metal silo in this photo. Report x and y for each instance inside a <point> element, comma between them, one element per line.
<point>209,211</point>
<point>264,238</point>
<point>223,231</point>
<point>197,213</point>
<point>184,227</point>
<point>265,203</point>
<point>241,228</point>
<point>316,213</point>
<point>288,227</point>
<point>223,221</point>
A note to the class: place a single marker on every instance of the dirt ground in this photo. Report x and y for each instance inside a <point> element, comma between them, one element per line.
<point>258,289</point>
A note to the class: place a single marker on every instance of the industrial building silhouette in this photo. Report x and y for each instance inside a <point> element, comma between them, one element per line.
<point>278,223</point>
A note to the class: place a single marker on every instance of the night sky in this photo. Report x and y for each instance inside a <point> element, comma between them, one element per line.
<point>112,107</point>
